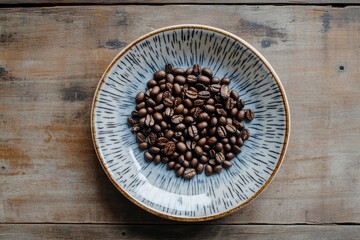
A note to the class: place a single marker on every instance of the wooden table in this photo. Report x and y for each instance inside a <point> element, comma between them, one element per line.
<point>52,54</point>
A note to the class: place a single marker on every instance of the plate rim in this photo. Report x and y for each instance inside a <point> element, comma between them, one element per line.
<point>261,58</point>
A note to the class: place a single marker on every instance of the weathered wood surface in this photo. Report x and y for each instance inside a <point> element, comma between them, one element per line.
<point>51,60</point>
<point>159,232</point>
<point>296,2</point>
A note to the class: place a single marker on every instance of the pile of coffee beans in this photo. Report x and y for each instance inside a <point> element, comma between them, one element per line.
<point>190,120</point>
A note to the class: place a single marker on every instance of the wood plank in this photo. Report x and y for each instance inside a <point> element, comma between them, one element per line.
<point>51,61</point>
<point>253,232</point>
<point>150,2</point>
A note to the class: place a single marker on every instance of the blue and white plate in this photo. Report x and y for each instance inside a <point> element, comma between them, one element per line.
<point>153,187</point>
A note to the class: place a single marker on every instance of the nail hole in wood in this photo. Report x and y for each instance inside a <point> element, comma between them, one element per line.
<point>342,68</point>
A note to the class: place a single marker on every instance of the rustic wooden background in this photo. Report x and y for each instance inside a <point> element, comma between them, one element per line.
<point>52,54</point>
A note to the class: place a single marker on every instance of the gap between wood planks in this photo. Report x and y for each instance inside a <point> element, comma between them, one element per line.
<point>186,224</point>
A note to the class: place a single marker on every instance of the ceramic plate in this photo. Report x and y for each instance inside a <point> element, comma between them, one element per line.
<point>153,187</point>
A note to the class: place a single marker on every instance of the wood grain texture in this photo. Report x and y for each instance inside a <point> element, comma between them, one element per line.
<point>159,232</point>
<point>51,61</point>
<point>150,2</point>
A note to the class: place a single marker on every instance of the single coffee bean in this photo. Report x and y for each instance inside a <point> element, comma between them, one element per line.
<point>169,134</point>
<point>219,147</point>
<point>202,141</point>
<point>213,121</point>
<point>222,121</point>
<point>239,141</point>
<point>227,164</point>
<point>181,147</point>
<point>227,147</point>
<point>204,159</point>
<point>180,171</point>
<point>199,102</point>
<point>199,151</point>
<point>158,117</point>
<point>191,94</point>
<point>215,88</point>
<point>219,157</point>
<point>229,120</point>
<point>224,140</point>
<point>210,101</point>
<point>206,148</point>
<point>192,131</point>
<point>168,102</point>
<point>178,71</point>
<point>180,127</point>
<point>209,108</point>
<point>207,72</point>
<point>150,84</point>
<point>238,125</point>
<point>140,138</point>
<point>154,150</point>
<point>188,156</point>
<point>181,159</point>
<point>149,120</point>
<point>236,149</point>
<point>177,166</point>
<point>204,80</point>
<point>159,107</point>
<point>188,103</point>
<point>230,156</point>
<point>171,165</point>
<point>146,131</point>
<point>167,94</point>
<point>218,168</point>
<point>211,141</point>
<point>159,75</point>
<point>179,109</point>
<point>241,115</point>
<point>143,145</point>
<point>196,70</point>
<point>176,89</point>
<point>177,101</point>
<point>189,71</point>
<point>203,132</point>
<point>136,128</point>
<point>190,144</point>
<point>249,114</point>
<point>229,104</point>
<point>131,121</point>
<point>230,128</point>
<point>162,141</point>
<point>159,98</point>
<point>142,112</point>
<point>234,95</point>
<point>176,119</point>
<point>142,122</point>
<point>240,104</point>
<point>225,81</point>
<point>194,162</point>
<point>155,91</point>
<point>150,110</point>
<point>212,162</point>
<point>157,159</point>
<point>200,87</point>
<point>204,116</point>
<point>195,112</point>
<point>148,156</point>
<point>202,125</point>
<point>204,95</point>
<point>188,120</point>
<point>169,148</point>
<point>221,131</point>
<point>232,140</point>
<point>175,155</point>
<point>234,112</point>
<point>150,103</point>
<point>224,91</point>
<point>191,79</point>
<point>140,97</point>
<point>212,131</point>
<point>169,88</point>
<point>215,80</point>
<point>140,106</point>
<point>152,138</point>
<point>200,168</point>
<point>221,112</point>
<point>189,173</point>
<point>180,79</point>
<point>208,170</point>
<point>245,134</point>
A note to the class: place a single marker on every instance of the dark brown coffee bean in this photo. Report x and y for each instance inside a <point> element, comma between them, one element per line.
<point>162,141</point>
<point>168,102</point>
<point>146,131</point>
<point>152,138</point>
<point>230,128</point>
<point>162,82</point>
<point>188,156</point>
<point>232,140</point>
<point>240,104</point>
<point>150,110</point>
<point>225,81</point>
<point>169,112</point>
<point>199,151</point>
<point>169,148</point>
<point>245,134</point>
<point>208,170</point>
<point>229,104</point>
<point>249,114</point>
<point>206,148</point>
<point>224,140</point>
<point>142,122</point>
<point>176,89</point>
<point>227,147</point>
<point>194,162</point>
<point>224,91</point>
<point>219,147</point>
<point>230,156</point>
<point>203,132</point>
<point>171,165</point>
<point>179,109</point>
<point>215,88</point>
<point>236,149</point>
<point>204,95</point>
<point>140,106</point>
<point>195,112</point>
<point>222,121</point>
<point>188,103</point>
<point>158,117</point>
<point>191,94</point>
<point>210,101</point>
<point>204,159</point>
<point>211,141</point>
<point>177,101</point>
<point>142,112</point>
<point>177,166</point>
<point>196,69</point>
<point>239,142</point>
<point>154,150</point>
<point>149,120</point>
<point>207,72</point>
<point>143,145</point>
<point>176,119</point>
<point>151,84</point>
<point>147,93</point>
<point>181,159</point>
<point>155,91</point>
<point>180,171</point>
<point>218,168</point>
<point>169,134</point>
<point>157,159</point>
<point>180,127</point>
<point>150,103</point>
<point>241,115</point>
<point>192,131</point>
<point>159,98</point>
<point>209,108</point>
<point>227,164</point>
<point>221,112</point>
<point>161,74</point>
<point>178,71</point>
<point>186,164</point>
<point>159,107</point>
<point>188,120</point>
<point>221,131</point>
<point>169,87</point>
<point>140,138</point>
<point>178,135</point>
<point>175,155</point>
<point>200,168</point>
<point>212,162</point>
<point>219,157</point>
<point>215,80</point>
<point>238,124</point>
<point>202,141</point>
<point>191,79</point>
<point>181,147</point>
<point>190,144</point>
<point>213,121</point>
<point>168,68</point>
<point>199,102</point>
<point>140,97</point>
<point>202,125</point>
<point>180,79</point>
<point>200,87</point>
<point>189,173</point>
<point>212,131</point>
<point>204,80</point>
<point>234,112</point>
<point>167,94</point>
<point>189,71</point>
<point>234,95</point>
<point>131,121</point>
<point>203,117</point>
<point>148,156</point>
<point>136,128</point>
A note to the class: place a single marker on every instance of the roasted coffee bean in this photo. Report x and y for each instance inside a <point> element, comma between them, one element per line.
<point>156,128</point>
<point>199,102</point>
<point>150,103</point>
<point>191,94</point>
<point>203,117</point>
<point>167,94</point>
<point>210,101</point>
<point>155,91</point>
<point>234,94</point>
<point>219,147</point>
<point>177,166</point>
<point>189,71</point>
<point>159,98</point>
<point>177,101</point>
<point>194,162</point>
<point>240,104</point>
<point>181,147</point>
<point>215,88</point>
<point>227,147</point>
<point>199,151</point>
<point>168,102</point>
<point>180,171</point>
<point>230,128</point>
<point>229,104</point>
<point>218,168</point>
<point>140,106</point>
<point>204,95</point>
<point>239,142</point>
<point>180,79</point>
<point>158,117</point>
<point>189,173</point>
<point>211,141</point>
<point>221,112</point>
<point>215,80</point>
<point>245,134</point>
<point>207,72</point>
<point>213,121</point>
<point>229,121</point>
<point>176,89</point>
<point>221,131</point>
<point>190,144</point>
<point>224,91</point>
<point>224,140</point>
<point>178,135</point>
<point>178,71</point>
<point>195,112</point>
<point>230,156</point>
<point>212,131</point>
<point>171,165</point>
<point>168,68</point>
<point>169,88</point>
<point>236,149</point>
<point>212,153</point>
<point>143,145</point>
<point>249,114</point>
<point>169,134</point>
<point>191,79</point>
<point>219,157</point>
<point>176,119</point>
<point>142,112</point>
<point>150,84</point>
<point>165,159</point>
<point>179,109</point>
<point>169,148</point>
<point>188,120</point>
<point>148,156</point>
<point>136,128</point>
<point>192,131</point>
<point>140,138</point>
<point>208,170</point>
<point>169,112</point>
<point>188,156</point>
<point>203,132</point>
<point>140,97</point>
<point>162,82</point>
<point>200,87</point>
<point>204,159</point>
<point>200,168</point>
<point>204,80</point>
<point>162,141</point>
<point>202,125</point>
<point>225,81</point>
<point>180,127</point>
<point>209,108</point>
<point>234,112</point>
<point>188,103</point>
<point>241,115</point>
<point>131,121</point>
<point>232,140</point>
<point>202,141</point>
<point>159,75</point>
<point>196,69</point>
<point>159,107</point>
<point>149,120</point>
<point>212,162</point>
<point>227,164</point>
<point>157,159</point>
<point>206,148</point>
<point>222,121</point>
<point>152,138</point>
<point>150,110</point>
